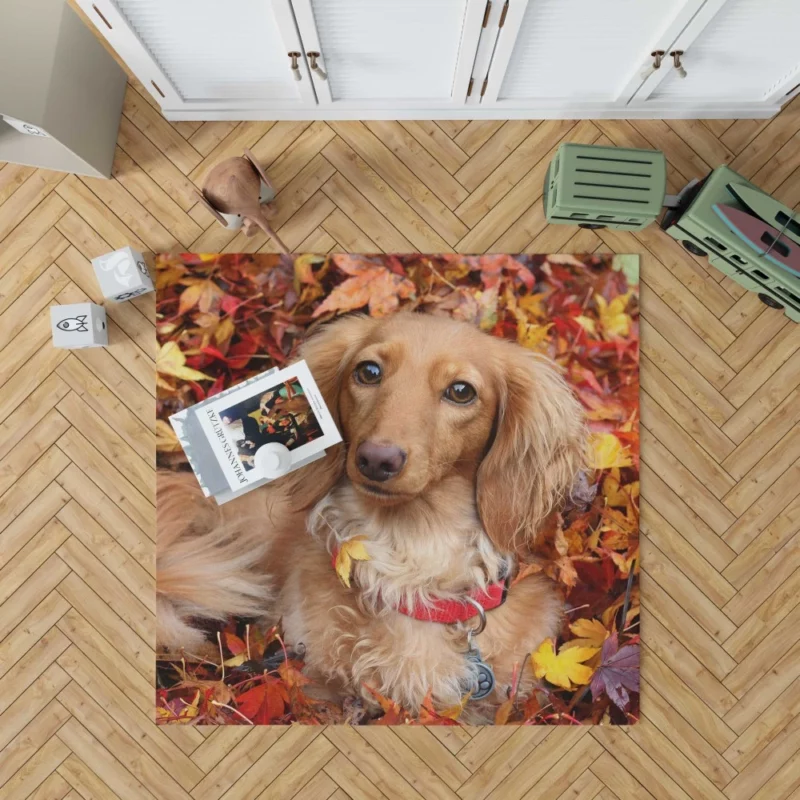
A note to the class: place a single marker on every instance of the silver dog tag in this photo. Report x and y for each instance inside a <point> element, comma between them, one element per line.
<point>484,683</point>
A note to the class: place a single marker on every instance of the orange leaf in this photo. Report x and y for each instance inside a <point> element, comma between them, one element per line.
<point>567,573</point>
<point>393,714</point>
<point>503,712</point>
<point>291,675</point>
<point>234,643</point>
<point>371,285</point>
<point>189,297</point>
<point>528,569</point>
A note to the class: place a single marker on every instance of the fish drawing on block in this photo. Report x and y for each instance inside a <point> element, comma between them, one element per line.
<point>763,238</point>
<point>77,324</point>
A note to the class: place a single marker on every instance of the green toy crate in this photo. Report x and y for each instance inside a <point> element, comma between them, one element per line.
<point>700,230</point>
<point>605,187</point>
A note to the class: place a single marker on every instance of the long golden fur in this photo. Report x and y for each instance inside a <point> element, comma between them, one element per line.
<point>478,482</point>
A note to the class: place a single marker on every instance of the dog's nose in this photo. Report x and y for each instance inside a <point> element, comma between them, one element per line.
<point>379,462</point>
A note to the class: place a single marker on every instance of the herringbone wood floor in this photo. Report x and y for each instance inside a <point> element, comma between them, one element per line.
<point>720,474</point>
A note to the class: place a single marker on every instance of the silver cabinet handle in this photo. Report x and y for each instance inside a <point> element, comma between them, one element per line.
<point>313,55</point>
<point>294,55</point>
<point>658,56</point>
<point>676,61</point>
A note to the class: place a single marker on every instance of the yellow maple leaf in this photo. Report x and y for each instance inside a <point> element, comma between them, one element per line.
<point>589,633</point>
<point>613,319</point>
<point>587,323</point>
<point>565,668</point>
<point>606,451</point>
<point>171,361</point>
<point>350,551</point>
<point>166,440</point>
<point>534,305</point>
<point>617,495</point>
<point>304,270</point>
<point>531,336</point>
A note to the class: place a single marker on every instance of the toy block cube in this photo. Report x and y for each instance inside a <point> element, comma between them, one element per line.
<point>122,274</point>
<point>78,325</point>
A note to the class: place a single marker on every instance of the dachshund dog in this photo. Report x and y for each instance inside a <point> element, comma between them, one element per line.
<point>457,447</point>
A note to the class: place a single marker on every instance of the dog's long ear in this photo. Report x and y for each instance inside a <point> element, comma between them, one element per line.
<point>328,353</point>
<point>537,451</point>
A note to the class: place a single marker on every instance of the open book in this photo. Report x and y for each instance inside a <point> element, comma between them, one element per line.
<point>255,431</point>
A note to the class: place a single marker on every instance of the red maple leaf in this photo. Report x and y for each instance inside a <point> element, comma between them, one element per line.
<point>264,703</point>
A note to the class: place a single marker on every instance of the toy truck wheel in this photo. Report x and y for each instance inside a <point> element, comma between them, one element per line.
<point>769,301</point>
<point>693,248</point>
<point>592,226</point>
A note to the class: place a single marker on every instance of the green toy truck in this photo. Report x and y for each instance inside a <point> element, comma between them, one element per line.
<point>608,187</point>
<point>696,225</point>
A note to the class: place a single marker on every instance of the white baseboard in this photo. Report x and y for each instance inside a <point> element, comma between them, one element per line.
<point>651,111</point>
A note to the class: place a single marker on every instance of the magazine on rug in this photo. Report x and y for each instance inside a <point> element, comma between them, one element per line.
<point>255,431</point>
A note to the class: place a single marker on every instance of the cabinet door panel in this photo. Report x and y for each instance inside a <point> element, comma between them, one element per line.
<point>388,52</point>
<point>209,54</point>
<point>748,52</point>
<point>580,50</point>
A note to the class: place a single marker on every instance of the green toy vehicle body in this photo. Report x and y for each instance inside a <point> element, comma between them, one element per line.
<point>605,187</point>
<point>702,232</point>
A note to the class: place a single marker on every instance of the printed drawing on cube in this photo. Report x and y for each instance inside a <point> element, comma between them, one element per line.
<point>123,274</point>
<point>74,324</point>
<point>78,325</point>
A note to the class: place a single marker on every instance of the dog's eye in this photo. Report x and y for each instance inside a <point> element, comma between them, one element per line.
<point>460,393</point>
<point>368,372</point>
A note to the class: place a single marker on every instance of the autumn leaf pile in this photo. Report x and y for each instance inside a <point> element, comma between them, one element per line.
<point>225,318</point>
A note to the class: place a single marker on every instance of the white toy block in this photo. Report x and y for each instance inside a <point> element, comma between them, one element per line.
<point>78,325</point>
<point>122,274</point>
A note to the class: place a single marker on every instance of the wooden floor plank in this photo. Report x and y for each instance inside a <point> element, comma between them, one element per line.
<point>160,132</point>
<point>28,705</point>
<point>419,161</point>
<point>685,738</point>
<point>403,181</point>
<point>31,738</point>
<point>437,143</point>
<point>96,506</point>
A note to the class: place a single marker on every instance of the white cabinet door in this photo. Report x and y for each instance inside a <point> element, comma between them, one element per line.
<point>391,53</point>
<point>206,54</point>
<point>557,54</point>
<point>734,51</point>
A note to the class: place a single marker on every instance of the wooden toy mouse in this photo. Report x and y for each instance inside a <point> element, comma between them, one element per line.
<point>239,195</point>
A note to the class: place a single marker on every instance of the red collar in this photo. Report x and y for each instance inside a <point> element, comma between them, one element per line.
<point>447,611</point>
